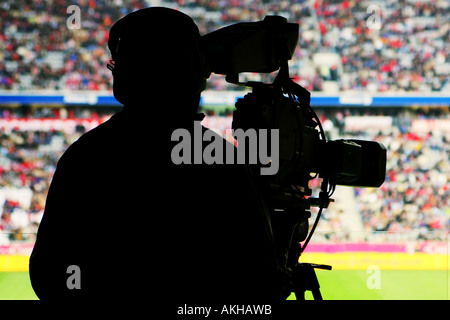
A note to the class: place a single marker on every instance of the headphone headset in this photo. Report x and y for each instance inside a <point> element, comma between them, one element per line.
<point>135,22</point>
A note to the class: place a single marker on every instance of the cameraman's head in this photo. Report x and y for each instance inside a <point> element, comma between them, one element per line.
<point>157,56</point>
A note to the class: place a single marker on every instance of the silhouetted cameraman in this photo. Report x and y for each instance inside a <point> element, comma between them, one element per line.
<point>137,225</point>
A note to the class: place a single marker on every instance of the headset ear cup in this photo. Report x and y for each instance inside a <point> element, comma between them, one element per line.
<point>206,68</point>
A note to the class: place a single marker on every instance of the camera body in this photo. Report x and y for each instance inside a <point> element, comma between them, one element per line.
<point>304,153</point>
<point>251,46</point>
<point>266,46</point>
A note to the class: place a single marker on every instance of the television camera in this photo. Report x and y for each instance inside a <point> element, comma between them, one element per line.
<point>304,151</point>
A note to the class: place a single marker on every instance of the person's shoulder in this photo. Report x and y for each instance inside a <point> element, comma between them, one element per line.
<point>106,129</point>
<point>93,141</point>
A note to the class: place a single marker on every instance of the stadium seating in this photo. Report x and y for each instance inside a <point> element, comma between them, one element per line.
<point>337,52</point>
<point>409,53</point>
<point>412,204</point>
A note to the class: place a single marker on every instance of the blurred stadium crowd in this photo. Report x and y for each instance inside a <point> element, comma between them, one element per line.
<point>414,201</point>
<point>412,204</point>
<point>337,51</point>
<point>410,51</point>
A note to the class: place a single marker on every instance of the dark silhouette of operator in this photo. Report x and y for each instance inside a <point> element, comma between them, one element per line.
<point>131,223</point>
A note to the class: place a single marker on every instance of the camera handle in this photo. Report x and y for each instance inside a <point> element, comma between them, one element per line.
<point>305,279</point>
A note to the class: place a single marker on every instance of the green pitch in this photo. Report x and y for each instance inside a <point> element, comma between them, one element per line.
<point>16,286</point>
<point>391,285</point>
<point>335,284</point>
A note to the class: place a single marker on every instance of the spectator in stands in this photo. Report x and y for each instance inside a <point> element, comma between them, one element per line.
<point>193,242</point>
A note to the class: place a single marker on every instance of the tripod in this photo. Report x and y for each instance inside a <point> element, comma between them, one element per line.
<point>305,279</point>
